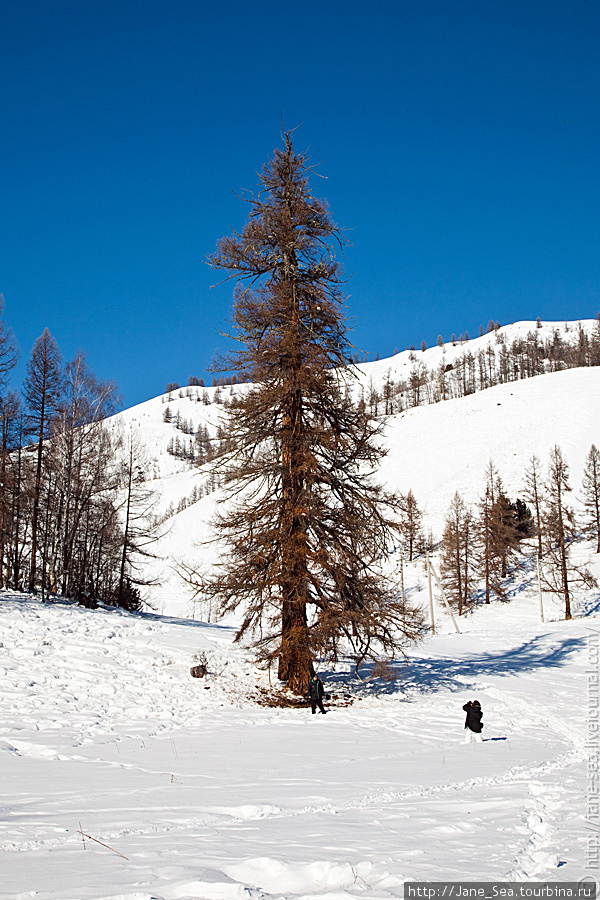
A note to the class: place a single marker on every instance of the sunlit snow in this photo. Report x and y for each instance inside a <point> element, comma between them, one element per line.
<point>124,778</point>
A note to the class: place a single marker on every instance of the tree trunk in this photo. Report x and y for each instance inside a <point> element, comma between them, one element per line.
<point>563,553</point>
<point>36,503</point>
<point>295,662</point>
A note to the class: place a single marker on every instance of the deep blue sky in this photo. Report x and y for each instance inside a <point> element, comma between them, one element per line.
<point>461,142</point>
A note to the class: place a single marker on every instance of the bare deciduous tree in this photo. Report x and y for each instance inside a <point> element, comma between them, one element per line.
<point>534,494</point>
<point>411,527</point>
<point>43,390</point>
<point>591,492</point>
<point>456,560</point>
<point>560,527</point>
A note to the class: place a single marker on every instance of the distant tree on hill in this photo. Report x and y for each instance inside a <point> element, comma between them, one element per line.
<point>581,350</point>
<point>497,528</point>
<point>561,532</point>
<point>456,560</point>
<point>534,495</point>
<point>417,380</point>
<point>591,492</point>
<point>523,519</point>
<point>441,380</point>
<point>440,340</point>
<point>203,447</point>
<point>484,530</point>
<point>306,537</point>
<point>388,394</point>
<point>595,343</point>
<point>506,535</point>
<point>411,527</point>
<point>137,516</point>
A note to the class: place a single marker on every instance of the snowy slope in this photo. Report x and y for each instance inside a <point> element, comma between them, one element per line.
<point>434,450</point>
<point>439,449</point>
<point>197,791</point>
<point>400,364</point>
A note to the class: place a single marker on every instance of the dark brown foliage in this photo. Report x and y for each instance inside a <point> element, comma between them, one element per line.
<point>306,527</point>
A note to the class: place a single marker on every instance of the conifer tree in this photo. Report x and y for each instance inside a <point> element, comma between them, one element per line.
<point>456,560</point>
<point>307,526</point>
<point>501,525</point>
<point>561,531</point>
<point>591,492</point>
<point>534,494</point>
<point>595,343</point>
<point>137,516</point>
<point>484,529</point>
<point>411,525</point>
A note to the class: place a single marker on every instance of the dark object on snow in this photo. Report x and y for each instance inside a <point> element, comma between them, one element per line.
<point>474,716</point>
<point>316,692</point>
<point>198,671</point>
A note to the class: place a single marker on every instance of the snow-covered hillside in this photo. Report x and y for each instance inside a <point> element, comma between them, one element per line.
<point>126,779</point>
<point>434,450</point>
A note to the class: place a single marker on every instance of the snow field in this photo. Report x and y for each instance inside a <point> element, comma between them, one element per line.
<point>212,797</point>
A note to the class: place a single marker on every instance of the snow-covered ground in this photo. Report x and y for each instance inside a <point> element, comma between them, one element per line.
<point>207,795</point>
<point>201,792</point>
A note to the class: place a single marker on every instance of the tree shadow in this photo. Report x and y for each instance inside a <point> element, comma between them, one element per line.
<point>230,630</point>
<point>426,675</point>
<point>589,606</point>
<point>25,599</point>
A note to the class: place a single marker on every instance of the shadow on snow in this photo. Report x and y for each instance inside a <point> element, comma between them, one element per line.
<point>424,675</point>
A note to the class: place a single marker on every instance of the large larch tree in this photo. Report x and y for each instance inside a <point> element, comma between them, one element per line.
<point>305,526</point>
